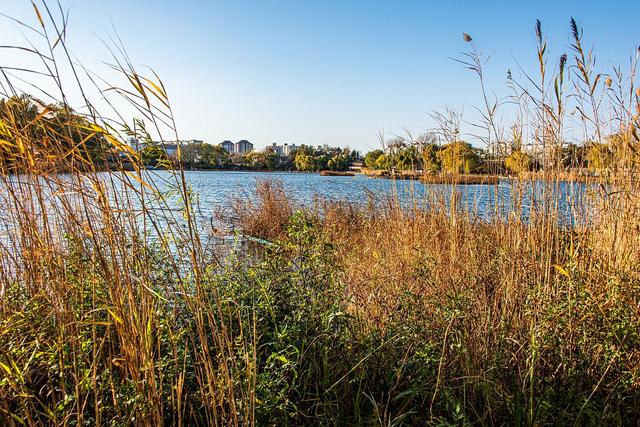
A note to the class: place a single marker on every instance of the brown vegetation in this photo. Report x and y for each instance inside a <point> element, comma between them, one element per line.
<point>114,311</point>
<point>336,173</point>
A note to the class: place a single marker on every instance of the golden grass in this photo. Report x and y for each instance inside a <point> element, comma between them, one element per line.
<point>113,311</point>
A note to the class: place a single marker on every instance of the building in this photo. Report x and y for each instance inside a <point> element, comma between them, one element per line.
<point>243,146</point>
<point>356,166</point>
<point>285,150</point>
<point>228,146</point>
<point>135,144</point>
<point>288,150</point>
<point>171,147</point>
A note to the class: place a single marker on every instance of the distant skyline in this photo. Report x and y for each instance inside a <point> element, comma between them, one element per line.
<point>331,72</point>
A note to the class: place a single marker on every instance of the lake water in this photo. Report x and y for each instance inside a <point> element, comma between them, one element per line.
<point>217,190</point>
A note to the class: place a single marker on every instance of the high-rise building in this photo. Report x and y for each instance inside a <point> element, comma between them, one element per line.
<point>228,146</point>
<point>277,149</point>
<point>288,150</point>
<point>243,146</point>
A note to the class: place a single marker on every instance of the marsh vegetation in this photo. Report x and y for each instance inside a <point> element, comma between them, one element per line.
<point>325,314</point>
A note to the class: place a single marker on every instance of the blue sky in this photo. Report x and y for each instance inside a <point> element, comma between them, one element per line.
<point>330,72</point>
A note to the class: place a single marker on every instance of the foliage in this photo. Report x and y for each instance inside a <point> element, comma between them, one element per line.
<point>31,131</point>
<point>204,156</point>
<point>518,162</point>
<point>599,156</point>
<point>384,162</point>
<point>115,310</point>
<point>430,159</point>
<point>309,159</point>
<point>407,157</point>
<point>459,157</point>
<point>261,160</point>
<point>371,158</point>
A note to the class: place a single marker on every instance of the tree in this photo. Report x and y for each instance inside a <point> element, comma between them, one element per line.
<point>34,133</point>
<point>394,145</point>
<point>459,157</point>
<point>599,156</point>
<point>384,162</point>
<point>190,154</point>
<point>212,156</point>
<point>270,159</point>
<point>266,159</point>
<point>407,158</point>
<point>518,162</point>
<point>303,161</point>
<point>340,162</point>
<point>430,159</point>
<point>371,157</point>
<point>625,146</point>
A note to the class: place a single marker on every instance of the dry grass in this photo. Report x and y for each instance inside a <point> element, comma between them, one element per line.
<point>523,306</point>
<point>267,215</point>
<point>112,311</point>
<point>103,297</point>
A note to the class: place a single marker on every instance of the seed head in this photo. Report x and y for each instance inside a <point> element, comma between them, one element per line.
<point>539,30</point>
<point>574,30</point>
<point>563,62</point>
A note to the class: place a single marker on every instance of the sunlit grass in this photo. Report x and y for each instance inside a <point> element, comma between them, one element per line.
<point>114,311</point>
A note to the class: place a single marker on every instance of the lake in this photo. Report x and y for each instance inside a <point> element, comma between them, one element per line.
<point>218,189</point>
<point>215,191</point>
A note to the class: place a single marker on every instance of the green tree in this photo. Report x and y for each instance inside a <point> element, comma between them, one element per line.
<point>384,162</point>
<point>190,154</point>
<point>371,158</point>
<point>213,157</point>
<point>339,162</point>
<point>430,159</point>
<point>304,161</point>
<point>37,133</point>
<point>407,158</point>
<point>459,157</point>
<point>262,160</point>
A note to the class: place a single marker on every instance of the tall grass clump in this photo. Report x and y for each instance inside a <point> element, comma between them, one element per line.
<point>109,312</point>
<point>115,311</point>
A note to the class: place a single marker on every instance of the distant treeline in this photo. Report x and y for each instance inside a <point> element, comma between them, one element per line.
<point>617,153</point>
<point>208,156</point>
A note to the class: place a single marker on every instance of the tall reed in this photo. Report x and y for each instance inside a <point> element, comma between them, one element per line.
<point>113,310</point>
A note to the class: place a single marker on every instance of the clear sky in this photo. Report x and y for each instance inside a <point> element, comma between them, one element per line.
<point>331,71</point>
